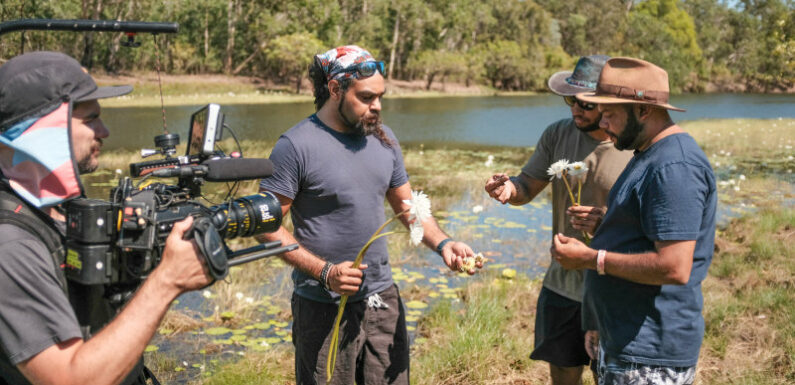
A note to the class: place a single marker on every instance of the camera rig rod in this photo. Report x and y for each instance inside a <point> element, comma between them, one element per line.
<point>261,251</point>
<point>77,25</point>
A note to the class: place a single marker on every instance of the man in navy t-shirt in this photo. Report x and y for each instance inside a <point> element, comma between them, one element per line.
<point>648,257</point>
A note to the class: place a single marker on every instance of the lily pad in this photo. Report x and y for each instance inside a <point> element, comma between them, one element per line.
<point>217,331</point>
<point>416,305</point>
<point>151,348</point>
<point>509,273</point>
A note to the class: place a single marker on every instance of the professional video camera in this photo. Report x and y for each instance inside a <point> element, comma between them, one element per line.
<point>117,243</point>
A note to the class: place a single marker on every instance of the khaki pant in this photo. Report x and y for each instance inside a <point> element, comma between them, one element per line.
<point>373,341</point>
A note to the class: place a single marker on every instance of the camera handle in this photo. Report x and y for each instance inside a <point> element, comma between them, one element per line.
<point>214,250</point>
<point>211,246</point>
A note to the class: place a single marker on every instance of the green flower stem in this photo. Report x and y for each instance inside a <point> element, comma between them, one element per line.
<point>568,188</point>
<point>334,344</point>
<point>577,202</point>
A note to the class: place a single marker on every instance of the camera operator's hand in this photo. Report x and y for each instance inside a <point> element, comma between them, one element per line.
<point>182,264</point>
<point>344,279</point>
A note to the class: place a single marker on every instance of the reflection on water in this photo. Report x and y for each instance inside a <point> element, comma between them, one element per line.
<point>502,121</point>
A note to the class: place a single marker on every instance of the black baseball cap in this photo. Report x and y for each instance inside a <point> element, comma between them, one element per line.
<point>36,83</point>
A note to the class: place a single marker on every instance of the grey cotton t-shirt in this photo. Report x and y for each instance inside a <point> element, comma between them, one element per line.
<point>34,311</point>
<point>338,183</point>
<point>562,140</point>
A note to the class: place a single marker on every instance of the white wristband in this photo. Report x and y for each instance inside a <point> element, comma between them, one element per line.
<point>600,262</point>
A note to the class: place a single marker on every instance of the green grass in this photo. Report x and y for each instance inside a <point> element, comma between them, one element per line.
<point>487,336</point>
<point>749,296</point>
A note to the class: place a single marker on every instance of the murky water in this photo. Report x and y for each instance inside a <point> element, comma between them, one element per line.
<point>503,121</point>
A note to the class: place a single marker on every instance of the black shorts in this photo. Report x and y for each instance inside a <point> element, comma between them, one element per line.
<point>560,339</point>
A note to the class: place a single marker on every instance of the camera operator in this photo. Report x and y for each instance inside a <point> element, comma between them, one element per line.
<point>50,132</point>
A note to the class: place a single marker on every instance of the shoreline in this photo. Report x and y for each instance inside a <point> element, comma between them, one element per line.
<point>186,90</point>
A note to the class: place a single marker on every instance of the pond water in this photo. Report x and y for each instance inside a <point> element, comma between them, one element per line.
<point>515,238</point>
<point>496,120</point>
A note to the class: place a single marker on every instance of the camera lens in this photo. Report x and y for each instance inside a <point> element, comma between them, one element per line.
<point>248,216</point>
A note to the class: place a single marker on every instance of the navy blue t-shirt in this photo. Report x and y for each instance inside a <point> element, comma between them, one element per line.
<point>338,183</point>
<point>666,193</point>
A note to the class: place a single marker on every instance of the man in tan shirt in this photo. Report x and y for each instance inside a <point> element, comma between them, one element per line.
<point>559,338</point>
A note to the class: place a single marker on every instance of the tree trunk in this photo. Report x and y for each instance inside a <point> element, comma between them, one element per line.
<point>206,40</point>
<point>231,26</point>
<point>88,48</point>
<point>430,81</point>
<point>298,79</point>
<point>395,34</point>
<point>112,64</point>
<point>257,49</point>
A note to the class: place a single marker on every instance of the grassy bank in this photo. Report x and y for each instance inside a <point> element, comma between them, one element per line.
<point>485,334</point>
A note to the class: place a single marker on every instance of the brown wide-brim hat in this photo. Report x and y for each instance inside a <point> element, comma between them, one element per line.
<point>625,80</point>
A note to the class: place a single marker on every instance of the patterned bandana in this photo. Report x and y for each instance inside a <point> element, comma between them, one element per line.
<point>36,157</point>
<point>336,62</point>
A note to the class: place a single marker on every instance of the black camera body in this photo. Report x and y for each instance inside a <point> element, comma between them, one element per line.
<point>117,243</point>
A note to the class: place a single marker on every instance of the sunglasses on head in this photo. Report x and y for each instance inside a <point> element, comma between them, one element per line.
<point>366,69</point>
<point>570,100</point>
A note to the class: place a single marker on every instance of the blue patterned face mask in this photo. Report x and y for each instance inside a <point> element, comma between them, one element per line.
<point>349,61</point>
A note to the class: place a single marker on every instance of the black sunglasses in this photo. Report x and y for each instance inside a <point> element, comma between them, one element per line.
<point>570,100</point>
<point>366,69</point>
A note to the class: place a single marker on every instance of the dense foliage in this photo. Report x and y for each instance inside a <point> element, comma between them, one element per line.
<point>509,45</point>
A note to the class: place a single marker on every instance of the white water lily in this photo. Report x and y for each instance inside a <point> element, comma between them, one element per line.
<point>477,208</point>
<point>420,206</point>
<point>239,296</point>
<point>578,170</point>
<point>207,294</point>
<point>557,169</point>
<point>416,233</point>
<point>490,161</point>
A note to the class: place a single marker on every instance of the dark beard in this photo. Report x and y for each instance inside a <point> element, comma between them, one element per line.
<point>591,127</point>
<point>359,127</point>
<point>629,137</point>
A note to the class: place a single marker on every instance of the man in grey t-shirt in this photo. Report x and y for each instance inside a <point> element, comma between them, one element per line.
<point>559,338</point>
<point>333,171</point>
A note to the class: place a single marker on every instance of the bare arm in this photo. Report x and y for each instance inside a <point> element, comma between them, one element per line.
<point>110,355</point>
<point>342,278</point>
<point>452,252</point>
<point>516,190</point>
<point>669,264</point>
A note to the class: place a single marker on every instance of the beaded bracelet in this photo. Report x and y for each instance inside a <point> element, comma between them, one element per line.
<point>324,275</point>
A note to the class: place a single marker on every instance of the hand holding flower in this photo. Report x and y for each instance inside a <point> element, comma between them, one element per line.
<point>562,169</point>
<point>585,218</point>
<point>344,279</point>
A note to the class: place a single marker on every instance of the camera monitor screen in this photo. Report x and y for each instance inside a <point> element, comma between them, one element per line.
<point>205,129</point>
